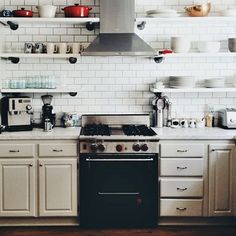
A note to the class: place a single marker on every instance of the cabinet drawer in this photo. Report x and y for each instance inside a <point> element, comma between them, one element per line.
<point>57,150</point>
<point>183,207</point>
<point>17,150</point>
<point>181,166</point>
<point>182,150</point>
<point>179,187</point>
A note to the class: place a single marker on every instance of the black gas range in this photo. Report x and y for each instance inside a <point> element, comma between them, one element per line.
<point>118,171</point>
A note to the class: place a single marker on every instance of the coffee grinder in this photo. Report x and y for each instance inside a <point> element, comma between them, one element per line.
<point>47,110</point>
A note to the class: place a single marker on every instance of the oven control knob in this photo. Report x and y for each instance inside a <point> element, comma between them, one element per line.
<point>101,147</point>
<point>136,147</point>
<point>144,147</point>
<point>94,147</point>
<point>119,148</point>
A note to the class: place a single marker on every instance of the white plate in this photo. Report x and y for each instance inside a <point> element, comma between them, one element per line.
<point>163,15</point>
<point>158,11</point>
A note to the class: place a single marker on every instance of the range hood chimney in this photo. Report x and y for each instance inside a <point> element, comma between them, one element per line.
<point>117,36</point>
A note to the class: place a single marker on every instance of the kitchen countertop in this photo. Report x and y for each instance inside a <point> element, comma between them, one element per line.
<point>163,134</point>
<point>195,133</point>
<point>39,134</point>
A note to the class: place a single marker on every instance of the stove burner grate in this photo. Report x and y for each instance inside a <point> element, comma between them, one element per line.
<point>92,130</point>
<point>138,130</point>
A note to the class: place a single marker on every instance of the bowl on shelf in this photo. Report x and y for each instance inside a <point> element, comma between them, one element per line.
<point>214,83</point>
<point>180,44</point>
<point>211,47</point>
<point>181,82</point>
<point>228,12</point>
<point>47,11</point>
<point>198,10</point>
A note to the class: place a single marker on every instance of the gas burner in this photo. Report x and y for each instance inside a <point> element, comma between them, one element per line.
<point>137,130</point>
<point>93,129</point>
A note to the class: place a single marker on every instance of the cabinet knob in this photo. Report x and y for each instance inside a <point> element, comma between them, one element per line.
<point>40,165</point>
<point>30,165</point>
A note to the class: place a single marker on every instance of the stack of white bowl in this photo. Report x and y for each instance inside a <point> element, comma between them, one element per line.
<point>215,83</point>
<point>181,82</point>
<point>162,13</point>
<point>208,47</point>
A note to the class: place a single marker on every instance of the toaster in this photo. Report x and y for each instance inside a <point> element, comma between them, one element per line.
<point>227,118</point>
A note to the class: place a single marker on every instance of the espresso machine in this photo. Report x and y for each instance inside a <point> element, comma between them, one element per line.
<point>47,110</point>
<point>16,113</point>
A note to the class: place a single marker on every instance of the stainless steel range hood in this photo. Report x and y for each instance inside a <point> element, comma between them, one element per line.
<point>117,36</point>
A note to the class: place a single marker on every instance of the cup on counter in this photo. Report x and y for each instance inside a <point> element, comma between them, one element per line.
<point>75,48</point>
<point>29,47</point>
<point>192,123</point>
<point>200,123</point>
<point>63,48</point>
<point>38,48</point>
<point>184,123</point>
<point>175,123</point>
<point>180,44</point>
<point>51,48</point>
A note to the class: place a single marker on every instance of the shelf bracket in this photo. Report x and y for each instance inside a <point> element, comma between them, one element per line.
<point>73,94</point>
<point>159,59</point>
<point>13,26</point>
<point>141,26</point>
<point>90,26</point>
<point>72,60</point>
<point>14,60</point>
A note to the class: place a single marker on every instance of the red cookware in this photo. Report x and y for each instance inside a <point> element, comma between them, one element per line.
<point>22,13</point>
<point>77,11</point>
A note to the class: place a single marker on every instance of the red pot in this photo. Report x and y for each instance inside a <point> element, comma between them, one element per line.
<point>22,13</point>
<point>77,11</point>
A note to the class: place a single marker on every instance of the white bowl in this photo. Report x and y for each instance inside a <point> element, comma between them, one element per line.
<point>206,47</point>
<point>181,81</point>
<point>180,44</point>
<point>47,11</point>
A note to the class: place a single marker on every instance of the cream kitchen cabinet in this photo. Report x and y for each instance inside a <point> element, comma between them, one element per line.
<point>17,187</point>
<point>221,168</point>
<point>58,187</point>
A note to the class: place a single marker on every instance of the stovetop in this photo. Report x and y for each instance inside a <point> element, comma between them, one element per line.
<point>124,130</point>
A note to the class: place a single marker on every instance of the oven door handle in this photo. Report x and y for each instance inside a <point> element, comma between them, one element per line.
<point>119,193</point>
<point>117,160</point>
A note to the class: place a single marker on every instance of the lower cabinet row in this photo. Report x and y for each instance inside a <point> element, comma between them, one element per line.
<point>47,187</point>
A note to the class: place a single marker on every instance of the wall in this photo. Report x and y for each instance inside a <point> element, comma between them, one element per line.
<point>121,84</point>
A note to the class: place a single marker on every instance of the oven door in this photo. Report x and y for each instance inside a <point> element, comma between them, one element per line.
<point>118,190</point>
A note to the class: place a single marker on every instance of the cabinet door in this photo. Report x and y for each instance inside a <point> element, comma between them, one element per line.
<point>220,179</point>
<point>17,187</point>
<point>58,187</point>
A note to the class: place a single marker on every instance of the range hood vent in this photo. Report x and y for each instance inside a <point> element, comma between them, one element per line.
<point>117,35</point>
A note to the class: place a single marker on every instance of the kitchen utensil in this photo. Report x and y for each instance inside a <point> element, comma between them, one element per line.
<point>47,110</point>
<point>77,11</point>
<point>47,125</point>
<point>227,118</point>
<point>198,10</point>
<point>51,48</point>
<point>47,11</point>
<point>22,13</point>
<point>67,120</point>
<point>192,123</point>
<point>180,44</point>
<point>232,44</point>
<point>63,48</point>
<point>206,47</point>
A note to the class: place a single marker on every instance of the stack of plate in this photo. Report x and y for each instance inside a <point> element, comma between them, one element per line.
<point>215,83</point>
<point>162,13</point>
<point>181,82</point>
<point>228,12</point>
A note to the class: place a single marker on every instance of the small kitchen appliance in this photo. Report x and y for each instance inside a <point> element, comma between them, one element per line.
<point>227,118</point>
<point>16,113</point>
<point>47,110</point>
<point>118,171</point>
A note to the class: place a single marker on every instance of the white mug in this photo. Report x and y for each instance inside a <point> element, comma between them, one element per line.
<point>192,123</point>
<point>75,48</point>
<point>63,48</point>
<point>175,123</point>
<point>51,48</point>
<point>184,123</point>
<point>180,44</point>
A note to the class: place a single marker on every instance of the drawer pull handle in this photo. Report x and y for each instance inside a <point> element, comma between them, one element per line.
<point>14,151</point>
<point>182,150</point>
<point>30,165</point>
<point>57,150</point>
<point>181,208</point>
<point>181,189</point>
<point>182,168</point>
